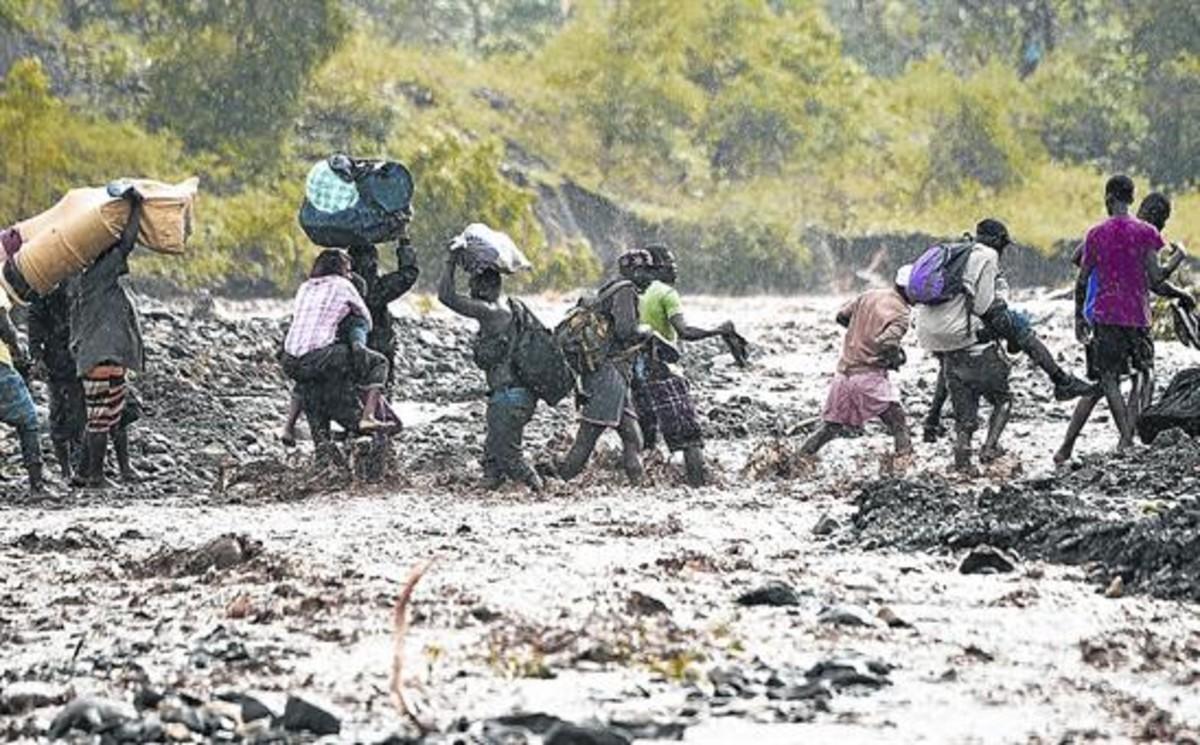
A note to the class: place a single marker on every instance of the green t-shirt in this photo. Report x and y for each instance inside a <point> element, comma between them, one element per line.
<point>657,305</point>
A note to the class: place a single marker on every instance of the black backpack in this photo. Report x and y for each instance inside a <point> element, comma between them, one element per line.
<point>537,358</point>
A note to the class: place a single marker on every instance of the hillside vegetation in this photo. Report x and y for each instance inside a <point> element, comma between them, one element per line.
<point>732,128</point>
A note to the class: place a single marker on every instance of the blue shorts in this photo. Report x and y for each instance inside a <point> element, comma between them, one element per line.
<point>16,405</point>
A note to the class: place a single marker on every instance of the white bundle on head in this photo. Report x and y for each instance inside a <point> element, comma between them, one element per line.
<point>490,249</point>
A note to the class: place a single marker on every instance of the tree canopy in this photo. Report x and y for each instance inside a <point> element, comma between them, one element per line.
<point>732,127</point>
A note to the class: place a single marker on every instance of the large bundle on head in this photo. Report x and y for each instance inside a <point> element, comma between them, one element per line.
<point>483,248</point>
<point>68,237</point>
<point>350,202</point>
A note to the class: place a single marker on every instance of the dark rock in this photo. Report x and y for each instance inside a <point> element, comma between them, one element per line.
<point>572,734</point>
<point>147,698</point>
<point>484,614</point>
<point>28,695</point>
<point>261,705</point>
<point>640,604</point>
<point>650,730</point>
<point>846,615</point>
<point>773,593</point>
<point>987,560</point>
<point>728,682</point>
<point>536,722</point>
<point>888,616</point>
<point>305,715</point>
<point>845,672</point>
<point>89,715</point>
<point>799,692</point>
<point>826,525</point>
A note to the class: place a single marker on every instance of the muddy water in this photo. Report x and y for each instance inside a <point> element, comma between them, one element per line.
<point>527,606</point>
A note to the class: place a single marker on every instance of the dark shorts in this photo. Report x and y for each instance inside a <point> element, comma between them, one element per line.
<point>1119,350</point>
<point>970,377</point>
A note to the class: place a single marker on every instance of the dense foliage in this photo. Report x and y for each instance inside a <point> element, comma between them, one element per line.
<point>731,127</point>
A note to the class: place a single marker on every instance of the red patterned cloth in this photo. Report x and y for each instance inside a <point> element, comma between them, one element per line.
<point>856,399</point>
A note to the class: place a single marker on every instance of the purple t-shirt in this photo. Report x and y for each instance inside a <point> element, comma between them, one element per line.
<point>1115,251</point>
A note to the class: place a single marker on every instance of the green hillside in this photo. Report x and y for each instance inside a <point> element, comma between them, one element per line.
<point>733,128</point>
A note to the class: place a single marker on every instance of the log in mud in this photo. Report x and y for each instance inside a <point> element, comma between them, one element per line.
<point>239,594</point>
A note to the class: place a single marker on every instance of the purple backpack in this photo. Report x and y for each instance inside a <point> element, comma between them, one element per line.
<point>937,276</point>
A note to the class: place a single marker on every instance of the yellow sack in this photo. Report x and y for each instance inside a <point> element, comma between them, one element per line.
<point>65,239</point>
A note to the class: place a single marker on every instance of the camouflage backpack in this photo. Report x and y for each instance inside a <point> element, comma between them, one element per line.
<point>585,334</point>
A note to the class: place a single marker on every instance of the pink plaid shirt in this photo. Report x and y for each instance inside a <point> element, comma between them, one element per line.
<point>321,304</point>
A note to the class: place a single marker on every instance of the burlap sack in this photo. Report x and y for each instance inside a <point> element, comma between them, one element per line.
<point>69,236</point>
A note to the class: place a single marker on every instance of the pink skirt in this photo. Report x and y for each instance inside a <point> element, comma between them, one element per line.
<point>856,399</point>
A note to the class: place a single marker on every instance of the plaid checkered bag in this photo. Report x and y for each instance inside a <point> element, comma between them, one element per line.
<point>327,191</point>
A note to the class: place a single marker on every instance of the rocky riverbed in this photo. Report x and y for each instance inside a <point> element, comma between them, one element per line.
<point>239,595</point>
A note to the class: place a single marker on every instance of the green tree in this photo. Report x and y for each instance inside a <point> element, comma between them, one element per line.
<point>228,75</point>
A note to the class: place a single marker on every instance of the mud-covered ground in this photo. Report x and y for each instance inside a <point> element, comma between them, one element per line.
<point>236,571</point>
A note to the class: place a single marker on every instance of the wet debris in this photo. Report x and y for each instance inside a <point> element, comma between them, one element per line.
<point>775,593</point>
<point>219,554</point>
<point>778,459</point>
<point>1092,516</point>
<point>641,604</point>
<point>22,697</point>
<point>74,538</point>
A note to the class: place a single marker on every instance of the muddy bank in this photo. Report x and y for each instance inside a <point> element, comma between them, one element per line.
<point>1134,516</point>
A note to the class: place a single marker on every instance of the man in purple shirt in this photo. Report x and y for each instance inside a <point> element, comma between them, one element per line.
<point>1122,253</point>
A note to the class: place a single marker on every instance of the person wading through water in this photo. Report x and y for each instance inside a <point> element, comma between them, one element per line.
<point>875,322</point>
<point>973,369</point>
<point>663,400</point>
<point>378,291</point>
<point>1118,268</point>
<point>50,349</point>
<point>1014,327</point>
<point>606,401</point>
<point>106,342</point>
<point>383,289</point>
<point>314,356</point>
<point>510,405</point>
<point>16,405</point>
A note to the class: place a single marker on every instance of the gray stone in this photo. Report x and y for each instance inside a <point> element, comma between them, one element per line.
<point>846,615</point>
<point>987,560</point>
<point>307,715</point>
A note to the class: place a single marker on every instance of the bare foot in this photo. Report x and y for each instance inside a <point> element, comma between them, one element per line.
<point>370,424</point>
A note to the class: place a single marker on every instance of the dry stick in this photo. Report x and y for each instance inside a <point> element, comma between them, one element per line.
<point>399,631</point>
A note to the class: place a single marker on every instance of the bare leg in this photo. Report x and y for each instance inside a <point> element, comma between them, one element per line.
<point>996,423</point>
<point>581,450</point>
<point>631,449</point>
<point>1079,417</point>
<point>826,433</point>
<point>62,454</point>
<point>369,423</point>
<point>693,465</point>
<point>897,424</point>
<point>1111,385</point>
<point>287,435</point>
<point>121,445</point>
<point>933,420</point>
